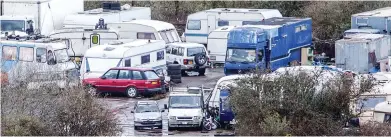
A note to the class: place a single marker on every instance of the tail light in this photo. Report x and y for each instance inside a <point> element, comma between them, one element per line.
<point>185,61</point>
<point>153,82</point>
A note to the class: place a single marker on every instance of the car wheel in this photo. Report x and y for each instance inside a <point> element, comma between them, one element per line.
<point>200,59</point>
<point>131,92</point>
<point>201,72</point>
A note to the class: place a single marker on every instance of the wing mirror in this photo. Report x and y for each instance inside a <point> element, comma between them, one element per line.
<point>165,106</point>
<point>103,77</point>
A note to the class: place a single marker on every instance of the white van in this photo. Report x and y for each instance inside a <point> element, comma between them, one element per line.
<point>146,29</point>
<point>83,39</point>
<point>123,53</point>
<point>200,24</point>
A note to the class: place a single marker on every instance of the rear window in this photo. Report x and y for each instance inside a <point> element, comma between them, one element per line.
<point>194,51</point>
<point>151,75</point>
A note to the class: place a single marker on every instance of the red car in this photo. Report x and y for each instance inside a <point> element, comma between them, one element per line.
<point>131,81</point>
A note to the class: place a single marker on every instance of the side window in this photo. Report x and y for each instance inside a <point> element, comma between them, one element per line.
<point>143,35</point>
<point>124,74</point>
<point>9,53</point>
<point>260,55</point>
<point>164,37</point>
<point>168,50</point>
<point>175,35</point>
<point>145,59</point>
<point>170,37</point>
<point>26,54</point>
<point>181,51</point>
<point>41,55</point>
<point>127,63</point>
<point>174,51</point>
<point>160,55</point>
<point>111,74</point>
<point>222,23</point>
<point>194,25</point>
<point>137,75</point>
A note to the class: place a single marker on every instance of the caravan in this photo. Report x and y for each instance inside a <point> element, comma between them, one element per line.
<point>123,53</point>
<point>110,12</point>
<point>217,44</point>
<point>200,24</point>
<point>146,29</point>
<point>83,39</point>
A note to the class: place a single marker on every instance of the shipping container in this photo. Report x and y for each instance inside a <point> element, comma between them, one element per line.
<point>361,52</point>
<point>375,19</point>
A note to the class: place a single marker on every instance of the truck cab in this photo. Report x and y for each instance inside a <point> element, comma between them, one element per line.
<point>18,25</point>
<point>185,107</point>
<point>245,50</point>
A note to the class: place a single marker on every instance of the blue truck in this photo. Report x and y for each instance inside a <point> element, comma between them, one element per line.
<point>274,43</point>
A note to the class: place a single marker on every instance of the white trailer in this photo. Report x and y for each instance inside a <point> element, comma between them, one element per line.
<point>123,53</point>
<point>83,39</point>
<point>362,52</point>
<point>146,29</point>
<point>217,44</point>
<point>29,16</point>
<point>200,24</point>
<point>110,14</point>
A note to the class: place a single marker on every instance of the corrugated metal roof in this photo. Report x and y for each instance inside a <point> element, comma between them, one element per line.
<point>363,37</point>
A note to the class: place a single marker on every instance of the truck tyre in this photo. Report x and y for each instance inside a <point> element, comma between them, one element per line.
<point>201,72</point>
<point>200,59</point>
<point>175,77</point>
<point>174,67</point>
<point>131,92</point>
<point>176,80</point>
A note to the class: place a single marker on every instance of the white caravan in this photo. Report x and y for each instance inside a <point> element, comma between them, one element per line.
<point>382,112</point>
<point>29,16</point>
<point>112,12</point>
<point>83,39</point>
<point>200,24</point>
<point>146,29</point>
<point>123,53</point>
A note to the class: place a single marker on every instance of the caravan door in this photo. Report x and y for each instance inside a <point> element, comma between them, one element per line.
<point>211,23</point>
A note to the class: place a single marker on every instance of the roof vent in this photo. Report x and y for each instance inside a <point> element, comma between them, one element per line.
<point>226,10</point>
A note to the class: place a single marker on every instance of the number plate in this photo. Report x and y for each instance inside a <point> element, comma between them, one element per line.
<point>184,123</point>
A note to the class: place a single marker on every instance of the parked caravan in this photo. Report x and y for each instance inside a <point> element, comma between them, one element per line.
<point>382,112</point>
<point>376,19</point>
<point>83,39</point>
<point>362,53</point>
<point>146,29</point>
<point>32,61</point>
<point>32,16</point>
<point>200,24</point>
<point>217,44</point>
<point>123,53</point>
<point>110,12</point>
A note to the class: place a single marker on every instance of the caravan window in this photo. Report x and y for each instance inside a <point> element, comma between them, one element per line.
<point>164,37</point>
<point>160,55</point>
<point>145,59</point>
<point>26,54</point>
<point>168,50</point>
<point>194,25</point>
<point>169,36</point>
<point>127,63</point>
<point>143,35</point>
<point>9,53</point>
<point>222,23</point>
<point>175,35</point>
<point>41,55</point>
<point>251,23</point>
<point>370,102</point>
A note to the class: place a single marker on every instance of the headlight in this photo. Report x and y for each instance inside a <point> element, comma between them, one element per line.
<point>138,119</point>
<point>159,118</point>
<point>197,117</point>
<point>172,117</point>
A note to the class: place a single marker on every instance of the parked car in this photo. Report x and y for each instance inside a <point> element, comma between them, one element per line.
<point>147,114</point>
<point>131,81</point>
<point>191,57</point>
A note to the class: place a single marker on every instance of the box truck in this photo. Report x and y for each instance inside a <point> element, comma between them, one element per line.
<point>30,16</point>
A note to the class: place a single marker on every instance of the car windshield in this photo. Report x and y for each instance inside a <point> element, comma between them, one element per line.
<point>61,55</point>
<point>241,55</point>
<point>185,102</point>
<point>147,108</point>
<point>193,51</point>
<point>151,75</point>
<point>12,25</point>
<point>225,103</point>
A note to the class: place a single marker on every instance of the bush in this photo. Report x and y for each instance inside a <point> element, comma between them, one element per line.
<point>51,111</point>
<point>305,104</point>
